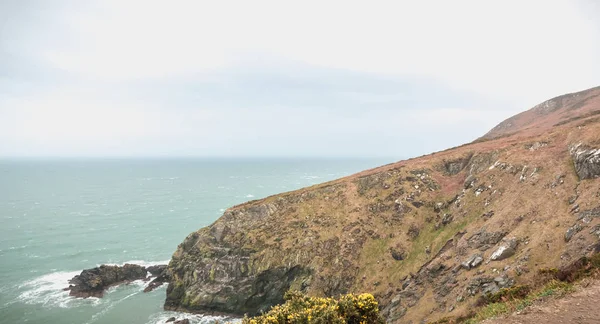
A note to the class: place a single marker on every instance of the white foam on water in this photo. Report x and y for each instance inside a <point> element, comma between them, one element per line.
<point>138,262</point>
<point>249,196</point>
<point>162,317</point>
<point>48,291</point>
<point>101,313</point>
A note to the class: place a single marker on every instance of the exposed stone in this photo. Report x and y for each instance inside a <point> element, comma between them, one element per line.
<point>472,262</point>
<point>589,214</point>
<point>504,281</point>
<point>397,254</point>
<point>489,288</point>
<point>156,270</point>
<point>453,167</point>
<point>572,231</point>
<point>477,284</point>
<point>483,240</point>
<point>586,161</point>
<point>171,319</point>
<point>596,230</point>
<point>183,321</point>
<point>505,250</point>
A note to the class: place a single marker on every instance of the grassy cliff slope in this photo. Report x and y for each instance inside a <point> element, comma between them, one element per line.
<point>426,236</point>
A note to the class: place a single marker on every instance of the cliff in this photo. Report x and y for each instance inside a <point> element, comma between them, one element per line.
<point>426,236</point>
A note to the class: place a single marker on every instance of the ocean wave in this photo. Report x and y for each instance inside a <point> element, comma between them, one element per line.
<point>162,317</point>
<point>48,291</point>
<point>138,262</point>
<point>101,313</point>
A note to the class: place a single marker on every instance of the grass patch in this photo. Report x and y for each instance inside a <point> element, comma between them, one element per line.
<point>516,299</point>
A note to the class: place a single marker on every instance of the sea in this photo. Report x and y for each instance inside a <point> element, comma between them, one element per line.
<point>58,217</point>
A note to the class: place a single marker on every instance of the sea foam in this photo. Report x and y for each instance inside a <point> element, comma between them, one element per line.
<point>48,291</point>
<point>162,317</point>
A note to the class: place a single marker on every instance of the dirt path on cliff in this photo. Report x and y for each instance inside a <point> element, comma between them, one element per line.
<point>581,307</point>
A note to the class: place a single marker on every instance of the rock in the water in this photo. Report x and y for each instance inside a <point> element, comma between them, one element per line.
<point>93,282</point>
<point>586,161</point>
<point>162,278</point>
<point>171,319</point>
<point>505,250</point>
<point>157,270</point>
<point>183,321</point>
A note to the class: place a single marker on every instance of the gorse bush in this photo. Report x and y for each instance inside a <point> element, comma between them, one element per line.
<point>300,309</point>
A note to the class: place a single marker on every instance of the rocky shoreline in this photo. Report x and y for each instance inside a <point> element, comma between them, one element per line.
<point>95,281</point>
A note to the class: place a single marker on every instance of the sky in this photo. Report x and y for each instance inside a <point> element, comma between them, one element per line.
<point>118,78</point>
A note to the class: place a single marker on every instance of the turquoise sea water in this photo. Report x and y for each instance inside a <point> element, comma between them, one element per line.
<point>61,216</point>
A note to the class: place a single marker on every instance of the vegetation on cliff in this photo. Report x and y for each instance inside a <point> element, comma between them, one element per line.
<point>301,309</point>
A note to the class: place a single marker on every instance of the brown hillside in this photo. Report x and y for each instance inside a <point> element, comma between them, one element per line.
<point>548,114</point>
<point>426,236</point>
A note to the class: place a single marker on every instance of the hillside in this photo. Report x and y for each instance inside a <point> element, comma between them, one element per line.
<point>426,236</point>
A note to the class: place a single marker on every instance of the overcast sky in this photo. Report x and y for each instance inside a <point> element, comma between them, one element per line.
<point>281,78</point>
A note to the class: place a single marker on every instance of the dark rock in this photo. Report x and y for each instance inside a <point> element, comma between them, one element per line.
<point>586,161</point>
<point>447,219</point>
<point>596,230</point>
<point>397,254</point>
<point>589,214</point>
<point>417,204</point>
<point>489,288</point>
<point>572,231</point>
<point>93,282</point>
<point>453,167</point>
<point>483,240</point>
<point>183,321</point>
<point>171,319</point>
<point>478,284</point>
<point>156,270</point>
<point>504,281</point>
<point>469,181</point>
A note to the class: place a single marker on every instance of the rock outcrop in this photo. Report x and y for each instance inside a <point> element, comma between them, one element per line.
<point>586,161</point>
<point>94,282</point>
<point>426,236</point>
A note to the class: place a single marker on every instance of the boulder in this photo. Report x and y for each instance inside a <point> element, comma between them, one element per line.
<point>397,254</point>
<point>586,161</point>
<point>472,262</point>
<point>506,250</point>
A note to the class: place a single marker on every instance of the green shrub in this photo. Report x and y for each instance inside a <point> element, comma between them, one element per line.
<point>301,309</point>
<point>505,294</point>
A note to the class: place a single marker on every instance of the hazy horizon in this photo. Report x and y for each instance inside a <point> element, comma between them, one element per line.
<point>142,79</point>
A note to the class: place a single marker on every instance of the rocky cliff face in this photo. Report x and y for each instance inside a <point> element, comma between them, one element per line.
<point>426,235</point>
